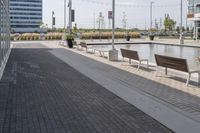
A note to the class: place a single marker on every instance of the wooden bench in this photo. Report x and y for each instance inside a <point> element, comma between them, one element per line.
<point>84,45</point>
<point>133,55</point>
<point>175,63</point>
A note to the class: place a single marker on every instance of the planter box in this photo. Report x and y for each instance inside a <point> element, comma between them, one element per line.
<point>70,43</point>
<point>128,38</point>
<point>151,37</point>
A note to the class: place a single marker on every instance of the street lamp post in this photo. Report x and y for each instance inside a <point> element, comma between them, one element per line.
<point>181,26</point>
<point>52,19</point>
<point>113,54</point>
<point>151,14</point>
<point>113,25</point>
<point>70,15</point>
<point>64,19</point>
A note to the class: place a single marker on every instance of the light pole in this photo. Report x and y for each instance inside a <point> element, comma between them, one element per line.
<point>151,14</point>
<point>53,19</point>
<point>64,19</point>
<point>70,15</point>
<point>181,26</point>
<point>113,25</point>
<point>113,54</point>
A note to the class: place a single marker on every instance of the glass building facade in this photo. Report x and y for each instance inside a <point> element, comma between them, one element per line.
<point>193,6</point>
<point>25,15</point>
<point>194,15</point>
<point>4,31</point>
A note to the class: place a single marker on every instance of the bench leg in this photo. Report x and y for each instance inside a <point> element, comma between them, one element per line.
<point>147,64</point>
<point>100,53</point>
<point>156,71</point>
<point>188,79</point>
<point>198,79</point>
<point>129,61</point>
<point>165,70</point>
<point>139,64</point>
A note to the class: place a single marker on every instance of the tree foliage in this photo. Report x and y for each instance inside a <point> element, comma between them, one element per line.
<point>169,23</point>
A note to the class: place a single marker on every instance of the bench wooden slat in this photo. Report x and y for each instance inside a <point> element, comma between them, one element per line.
<point>83,44</point>
<point>172,62</point>
<point>130,54</point>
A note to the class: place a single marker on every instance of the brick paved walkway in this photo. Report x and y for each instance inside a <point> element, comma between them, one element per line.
<point>41,94</point>
<point>170,89</point>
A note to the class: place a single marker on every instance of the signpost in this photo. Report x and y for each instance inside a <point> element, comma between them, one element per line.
<point>53,19</point>
<point>109,18</point>
<point>73,15</point>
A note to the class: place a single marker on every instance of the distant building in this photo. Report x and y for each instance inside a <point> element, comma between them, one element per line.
<point>25,15</point>
<point>4,32</point>
<point>194,14</point>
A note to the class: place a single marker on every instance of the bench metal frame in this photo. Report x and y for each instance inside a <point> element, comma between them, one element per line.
<point>101,51</point>
<point>130,54</point>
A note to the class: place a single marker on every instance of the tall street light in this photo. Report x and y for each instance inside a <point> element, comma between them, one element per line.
<point>53,19</point>
<point>113,54</point>
<point>70,15</point>
<point>113,25</point>
<point>151,14</point>
<point>64,19</point>
<point>181,26</point>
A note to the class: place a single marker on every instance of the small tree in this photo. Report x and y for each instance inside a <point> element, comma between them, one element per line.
<point>75,29</point>
<point>169,23</point>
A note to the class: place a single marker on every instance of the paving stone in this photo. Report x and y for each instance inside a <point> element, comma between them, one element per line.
<point>42,94</point>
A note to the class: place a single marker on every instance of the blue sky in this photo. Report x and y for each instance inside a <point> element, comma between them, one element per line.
<point>137,11</point>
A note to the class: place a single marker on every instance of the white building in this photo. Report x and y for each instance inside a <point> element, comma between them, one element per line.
<point>194,15</point>
<point>25,15</point>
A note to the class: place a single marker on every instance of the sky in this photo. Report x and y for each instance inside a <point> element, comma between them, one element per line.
<point>137,12</point>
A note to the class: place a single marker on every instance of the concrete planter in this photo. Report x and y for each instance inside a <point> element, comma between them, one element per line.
<point>70,43</point>
<point>113,55</point>
<point>151,37</point>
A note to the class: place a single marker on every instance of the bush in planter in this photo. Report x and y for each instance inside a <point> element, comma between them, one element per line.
<point>69,39</point>
<point>151,37</point>
<point>152,34</point>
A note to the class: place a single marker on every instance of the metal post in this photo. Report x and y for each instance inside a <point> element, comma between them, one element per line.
<point>52,19</point>
<point>70,15</point>
<point>151,13</point>
<point>94,23</point>
<point>113,25</point>
<point>113,54</point>
<point>64,19</point>
<point>181,26</point>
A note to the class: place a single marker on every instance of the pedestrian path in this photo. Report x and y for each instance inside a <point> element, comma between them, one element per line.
<point>39,93</point>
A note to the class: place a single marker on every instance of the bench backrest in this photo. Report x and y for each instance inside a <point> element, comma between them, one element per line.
<point>83,44</point>
<point>172,62</point>
<point>130,54</point>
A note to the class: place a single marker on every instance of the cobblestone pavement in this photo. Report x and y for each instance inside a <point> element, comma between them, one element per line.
<point>41,94</point>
